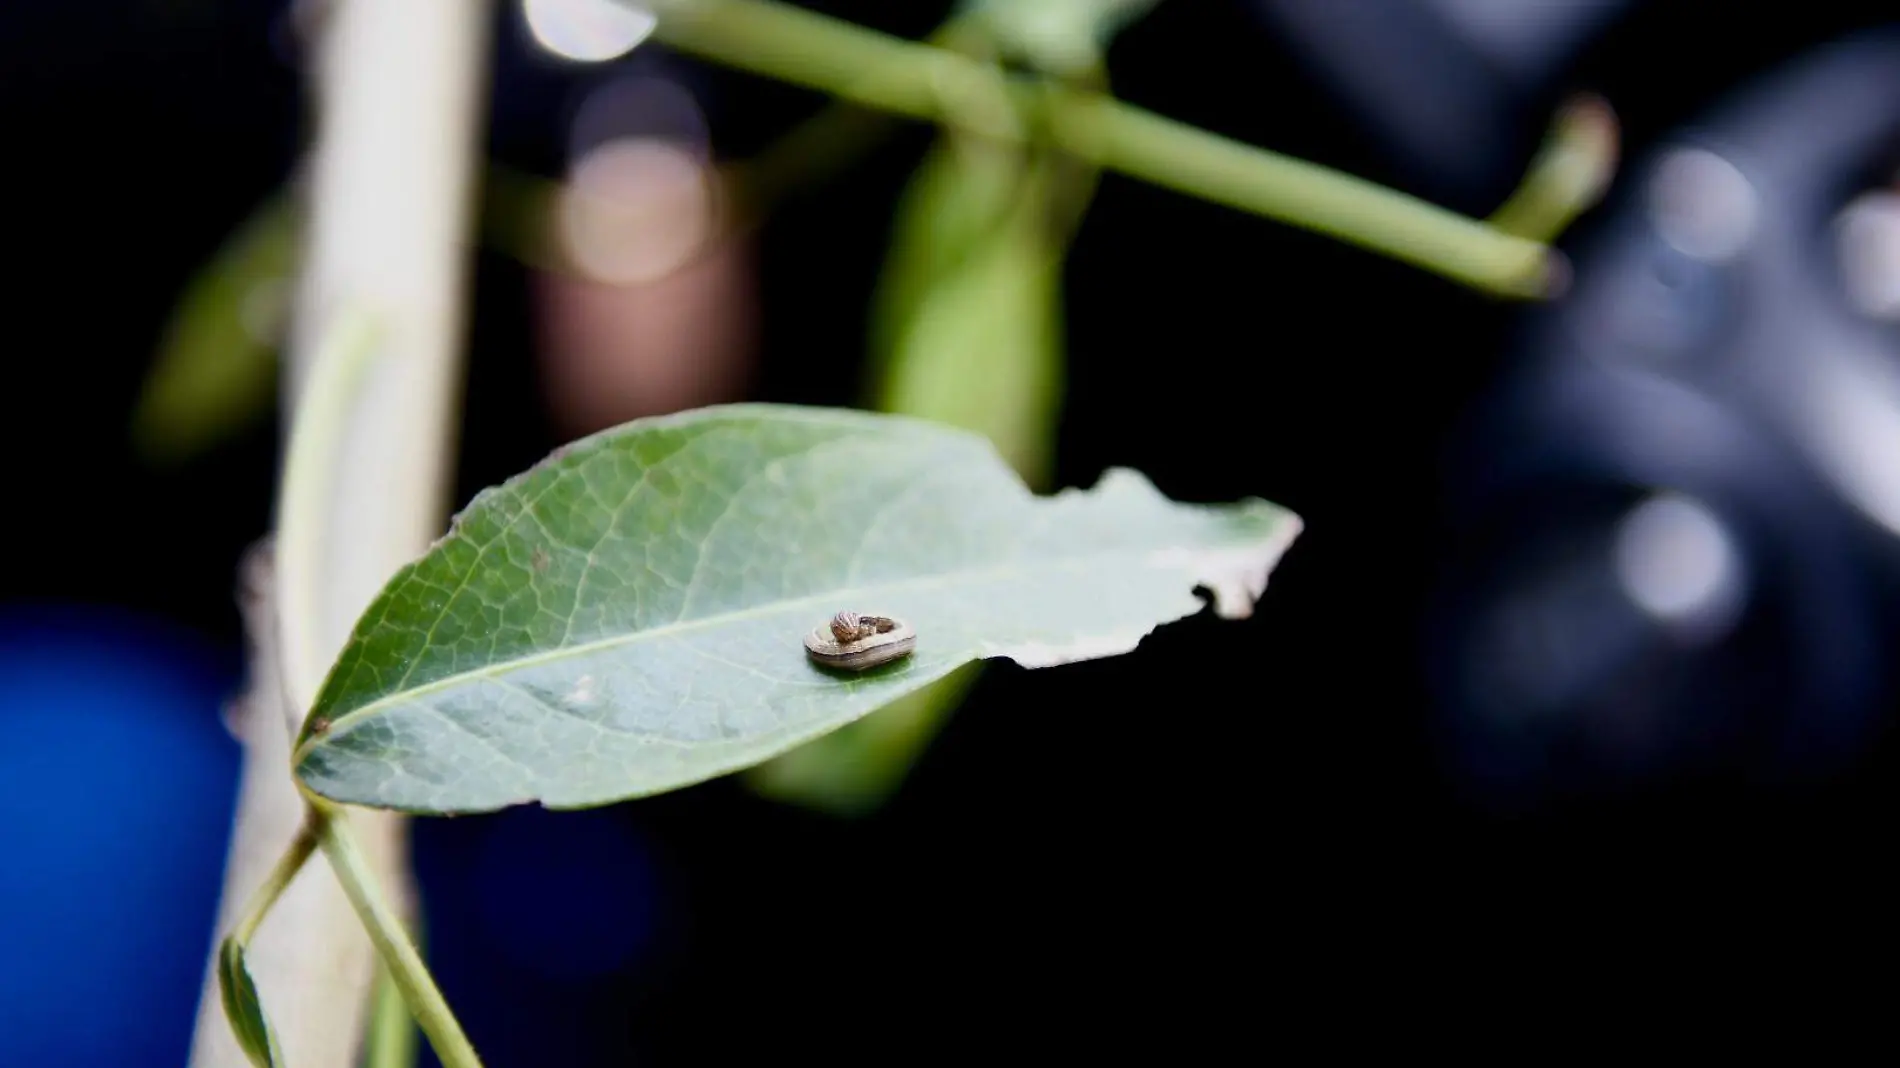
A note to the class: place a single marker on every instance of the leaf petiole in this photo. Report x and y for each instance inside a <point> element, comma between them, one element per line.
<point>386,931</point>
<point>236,989</point>
<point>266,895</point>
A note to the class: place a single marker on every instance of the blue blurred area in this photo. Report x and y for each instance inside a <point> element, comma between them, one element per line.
<point>567,895</point>
<point>543,929</point>
<point>117,785</point>
<point>118,781</point>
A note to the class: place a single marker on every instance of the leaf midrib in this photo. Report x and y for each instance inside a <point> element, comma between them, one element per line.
<point>834,596</point>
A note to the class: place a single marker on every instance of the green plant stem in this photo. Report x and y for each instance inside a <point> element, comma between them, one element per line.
<point>274,884</point>
<point>317,428</point>
<point>392,1031</point>
<point>1569,174</point>
<point>309,467</point>
<point>398,953</point>
<point>824,144</point>
<point>1189,160</point>
<point>923,82</point>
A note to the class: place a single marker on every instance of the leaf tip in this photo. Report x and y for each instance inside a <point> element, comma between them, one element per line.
<point>1236,576</point>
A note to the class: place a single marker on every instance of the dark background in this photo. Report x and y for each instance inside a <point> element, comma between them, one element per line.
<point>1240,836</point>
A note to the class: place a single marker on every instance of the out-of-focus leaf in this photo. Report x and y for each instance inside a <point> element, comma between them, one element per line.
<point>958,199</point>
<point>985,353</point>
<point>628,617</point>
<point>243,1008</point>
<point>967,322</point>
<point>855,769</point>
<point>216,369</point>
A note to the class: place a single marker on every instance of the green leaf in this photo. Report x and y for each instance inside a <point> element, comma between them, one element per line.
<point>627,617</point>
<point>966,327</point>
<point>984,351</point>
<point>243,1007</point>
<point>216,368</point>
<point>960,194</point>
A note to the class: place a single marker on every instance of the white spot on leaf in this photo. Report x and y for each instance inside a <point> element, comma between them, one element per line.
<point>584,692</point>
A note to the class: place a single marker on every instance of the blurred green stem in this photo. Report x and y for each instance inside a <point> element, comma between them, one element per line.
<point>391,1042</point>
<point>309,469</point>
<point>828,141</point>
<point>919,81</point>
<point>1569,174</point>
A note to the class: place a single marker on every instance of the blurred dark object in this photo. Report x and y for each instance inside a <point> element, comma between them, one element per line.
<point>1442,84</point>
<point>1673,548</point>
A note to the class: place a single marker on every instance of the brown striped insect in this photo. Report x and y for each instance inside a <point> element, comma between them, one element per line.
<point>854,641</point>
<point>848,627</point>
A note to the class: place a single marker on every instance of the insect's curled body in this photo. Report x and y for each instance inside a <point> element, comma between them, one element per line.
<point>855,642</point>
<point>848,627</point>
